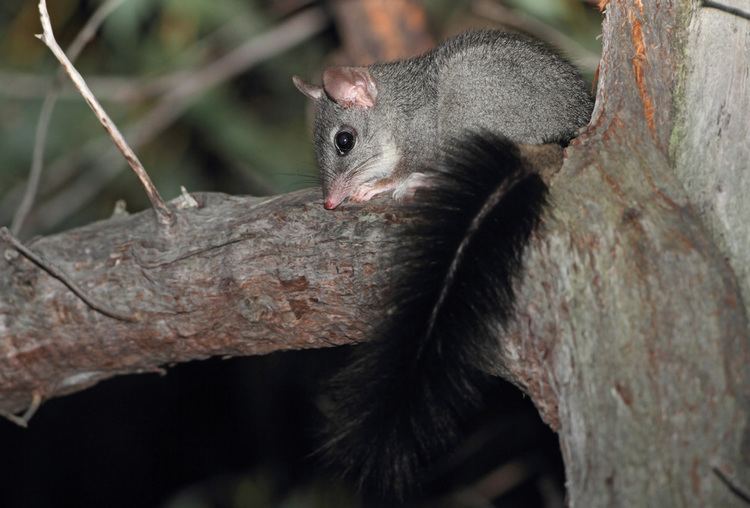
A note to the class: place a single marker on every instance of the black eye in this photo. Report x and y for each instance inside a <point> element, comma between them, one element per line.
<point>344,141</point>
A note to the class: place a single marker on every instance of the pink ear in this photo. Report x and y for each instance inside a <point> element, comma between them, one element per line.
<point>350,86</point>
<point>314,92</point>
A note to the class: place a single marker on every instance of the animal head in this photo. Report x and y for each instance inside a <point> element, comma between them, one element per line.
<point>351,146</point>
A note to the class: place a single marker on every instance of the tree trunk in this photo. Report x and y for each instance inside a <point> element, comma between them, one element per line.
<point>631,334</point>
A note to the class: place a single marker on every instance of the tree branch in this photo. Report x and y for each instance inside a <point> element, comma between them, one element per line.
<point>168,109</point>
<point>59,275</point>
<point>236,276</point>
<point>631,333</point>
<point>48,106</point>
<point>726,8</point>
<point>163,214</point>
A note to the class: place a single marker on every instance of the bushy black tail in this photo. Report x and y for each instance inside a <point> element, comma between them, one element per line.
<point>401,402</point>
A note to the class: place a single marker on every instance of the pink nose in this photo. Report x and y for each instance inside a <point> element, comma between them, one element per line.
<point>330,204</point>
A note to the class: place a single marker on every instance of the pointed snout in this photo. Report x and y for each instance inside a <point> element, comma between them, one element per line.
<point>330,203</point>
<point>336,192</point>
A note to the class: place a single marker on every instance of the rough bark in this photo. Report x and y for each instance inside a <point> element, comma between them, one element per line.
<point>710,144</point>
<point>632,336</point>
<point>236,276</point>
<point>631,333</point>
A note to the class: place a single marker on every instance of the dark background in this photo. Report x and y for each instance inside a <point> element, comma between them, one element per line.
<point>218,433</point>
<point>239,433</point>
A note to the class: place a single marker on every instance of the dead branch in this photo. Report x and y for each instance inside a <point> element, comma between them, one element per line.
<point>163,214</point>
<point>106,165</point>
<point>48,106</point>
<point>129,89</point>
<point>735,11</point>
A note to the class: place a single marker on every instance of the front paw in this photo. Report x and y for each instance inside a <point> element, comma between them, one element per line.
<point>369,190</point>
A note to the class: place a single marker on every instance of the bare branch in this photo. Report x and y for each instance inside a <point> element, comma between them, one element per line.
<point>164,215</point>
<point>37,160</point>
<point>726,8</point>
<point>238,276</point>
<point>24,85</point>
<point>91,27</point>
<point>276,40</point>
<point>23,420</point>
<point>40,138</point>
<point>21,85</point>
<point>736,489</point>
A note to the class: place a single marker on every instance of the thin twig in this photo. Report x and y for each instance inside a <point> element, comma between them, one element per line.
<point>37,161</point>
<point>726,8</point>
<point>20,85</point>
<point>24,419</point>
<point>282,37</point>
<point>164,215</point>
<point>45,115</point>
<point>112,88</point>
<point>18,420</point>
<point>60,275</point>
<point>91,27</point>
<point>24,85</point>
<point>738,490</point>
<point>286,7</point>
<point>584,57</point>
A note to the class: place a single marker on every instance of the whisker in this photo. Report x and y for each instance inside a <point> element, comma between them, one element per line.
<point>304,177</point>
<point>364,164</point>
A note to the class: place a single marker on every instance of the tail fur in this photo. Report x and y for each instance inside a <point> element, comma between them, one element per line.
<point>401,402</point>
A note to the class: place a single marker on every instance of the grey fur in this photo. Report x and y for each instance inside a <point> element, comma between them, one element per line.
<point>492,81</point>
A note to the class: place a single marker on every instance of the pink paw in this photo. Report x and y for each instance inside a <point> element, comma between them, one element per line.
<point>367,191</point>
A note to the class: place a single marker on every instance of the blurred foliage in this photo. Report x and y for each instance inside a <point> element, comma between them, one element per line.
<point>573,17</point>
<point>248,135</point>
